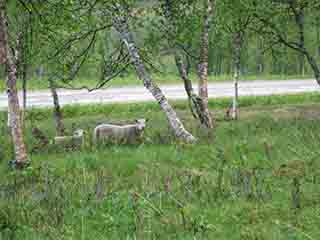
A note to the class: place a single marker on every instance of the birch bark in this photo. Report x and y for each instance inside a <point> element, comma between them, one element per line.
<point>204,58</point>
<point>195,102</point>
<point>7,57</point>
<point>121,25</point>
<point>236,75</point>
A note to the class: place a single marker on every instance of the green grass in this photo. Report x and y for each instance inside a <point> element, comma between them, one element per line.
<point>132,80</point>
<point>145,107</point>
<point>236,183</point>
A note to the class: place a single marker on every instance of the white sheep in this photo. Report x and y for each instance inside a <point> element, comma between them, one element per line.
<point>74,141</point>
<point>127,134</point>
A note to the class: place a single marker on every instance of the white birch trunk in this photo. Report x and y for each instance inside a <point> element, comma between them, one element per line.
<point>236,75</point>
<point>121,25</point>
<point>204,61</point>
<point>8,58</point>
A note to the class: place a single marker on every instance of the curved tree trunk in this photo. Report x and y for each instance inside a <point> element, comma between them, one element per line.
<point>57,114</point>
<point>302,50</point>
<point>121,25</point>
<point>8,58</point>
<point>314,66</point>
<point>183,71</point>
<point>196,103</point>
<point>204,58</point>
<point>300,21</point>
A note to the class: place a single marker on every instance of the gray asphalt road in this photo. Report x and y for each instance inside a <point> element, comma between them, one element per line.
<point>139,94</point>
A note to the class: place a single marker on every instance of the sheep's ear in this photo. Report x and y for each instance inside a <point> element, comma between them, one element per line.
<point>140,120</point>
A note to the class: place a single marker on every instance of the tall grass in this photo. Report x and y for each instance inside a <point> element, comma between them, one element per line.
<point>257,178</point>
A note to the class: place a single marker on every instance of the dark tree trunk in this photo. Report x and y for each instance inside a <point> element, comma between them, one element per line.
<point>303,51</point>
<point>188,64</point>
<point>260,57</point>
<point>275,61</point>
<point>57,114</point>
<point>301,57</point>
<point>8,58</point>
<point>314,66</point>
<point>24,87</point>
<point>3,54</point>
<point>218,62</point>
<point>182,68</point>
<point>204,61</point>
<point>196,104</point>
<point>24,66</point>
<point>285,69</point>
<point>318,37</point>
<point>298,46</point>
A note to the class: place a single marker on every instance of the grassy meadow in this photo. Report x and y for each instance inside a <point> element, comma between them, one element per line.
<point>256,178</point>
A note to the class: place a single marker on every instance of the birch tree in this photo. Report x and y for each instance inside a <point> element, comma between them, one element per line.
<point>271,14</point>
<point>24,46</point>
<point>235,20</point>
<point>9,56</point>
<point>204,58</point>
<point>174,12</point>
<point>120,22</point>
<point>237,44</point>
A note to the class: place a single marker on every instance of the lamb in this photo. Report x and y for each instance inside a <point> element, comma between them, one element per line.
<point>75,141</point>
<point>127,134</point>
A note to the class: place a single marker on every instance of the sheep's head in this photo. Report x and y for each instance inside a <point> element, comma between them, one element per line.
<point>78,133</point>
<point>141,124</point>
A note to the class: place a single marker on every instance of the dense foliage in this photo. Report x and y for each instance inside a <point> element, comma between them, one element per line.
<point>82,36</point>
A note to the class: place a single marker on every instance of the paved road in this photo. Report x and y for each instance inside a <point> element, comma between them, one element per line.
<point>139,94</point>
